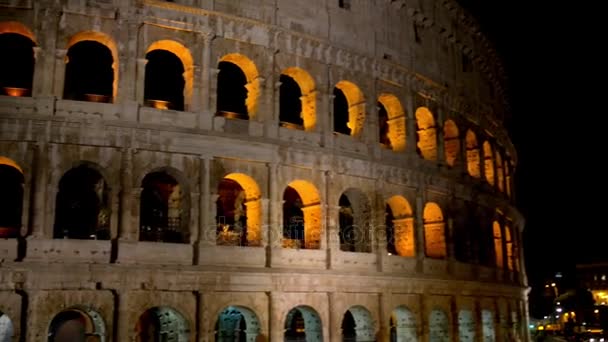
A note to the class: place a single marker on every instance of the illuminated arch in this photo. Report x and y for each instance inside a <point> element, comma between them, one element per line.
<point>508,177</point>
<point>105,40</point>
<point>11,198</point>
<point>237,323</point>
<point>356,106</point>
<point>400,226</point>
<point>70,323</point>
<point>500,176</point>
<point>358,324</point>
<point>427,135</point>
<point>473,166</point>
<point>184,55</point>
<point>162,322</point>
<point>509,248</point>
<point>18,28</point>
<point>354,221</point>
<point>9,162</point>
<point>487,326</point>
<point>310,208</point>
<point>466,326</point>
<point>451,142</point>
<point>403,325</point>
<point>498,253</point>
<point>434,231</point>
<point>253,80</point>
<point>396,121</point>
<point>303,323</point>
<point>488,162</point>
<point>309,95</point>
<point>438,326</point>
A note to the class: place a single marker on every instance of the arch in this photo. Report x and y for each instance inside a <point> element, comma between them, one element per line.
<point>17,28</point>
<point>303,323</point>
<point>500,176</point>
<point>252,78</point>
<point>349,114</point>
<point>239,211</point>
<point>434,231</point>
<point>162,323</point>
<point>82,206</point>
<point>427,134</point>
<point>77,324</point>
<point>11,198</point>
<point>393,128</point>
<point>163,208</point>
<point>509,248</point>
<point>185,56</point>
<point>466,326</point>
<point>108,42</point>
<point>237,324</point>
<point>399,227</point>
<point>301,216</point>
<point>307,96</point>
<point>354,221</point>
<point>498,253</point>
<point>472,146</point>
<point>451,142</point>
<point>438,326</point>
<point>488,162</point>
<point>487,326</point>
<point>17,60</point>
<point>403,325</point>
<point>358,325</point>
<point>508,177</point>
<point>7,330</point>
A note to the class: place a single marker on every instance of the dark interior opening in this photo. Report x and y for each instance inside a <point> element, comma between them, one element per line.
<point>295,329</point>
<point>11,201</point>
<point>231,91</point>
<point>390,231</point>
<point>293,216</point>
<point>231,215</point>
<point>349,333</point>
<point>158,223</point>
<point>164,80</point>
<point>383,126</point>
<point>290,105</point>
<point>347,229</point>
<point>340,112</point>
<point>89,75</point>
<point>16,64</point>
<point>68,326</point>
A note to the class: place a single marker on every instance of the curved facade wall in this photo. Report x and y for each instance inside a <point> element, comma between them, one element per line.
<point>273,170</point>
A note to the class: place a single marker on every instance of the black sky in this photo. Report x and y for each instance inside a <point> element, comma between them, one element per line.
<point>552,55</point>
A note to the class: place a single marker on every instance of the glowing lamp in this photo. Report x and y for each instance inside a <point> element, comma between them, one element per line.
<point>16,92</point>
<point>159,104</point>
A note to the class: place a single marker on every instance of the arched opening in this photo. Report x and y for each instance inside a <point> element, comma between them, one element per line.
<point>509,245</point>
<point>466,326</point>
<point>16,64</point>
<point>162,324</point>
<point>472,154</point>
<point>399,222</point>
<point>391,122</point>
<point>434,231</point>
<point>499,172</point>
<point>162,214</point>
<point>508,177</point>
<point>11,198</point>
<point>427,135</point>
<point>238,87</point>
<point>89,73</point>
<point>487,324</point>
<point>354,218</point>
<point>464,249</point>
<point>237,324</point>
<point>358,325</point>
<point>6,328</point>
<point>239,211</point>
<point>82,208</point>
<point>402,325</point>
<point>488,162</point>
<point>497,244</point>
<point>303,324</point>
<point>297,99</point>
<point>76,325</point>
<point>349,109</point>
<point>301,216</point>
<point>164,80</point>
<point>438,326</point>
<point>451,142</point>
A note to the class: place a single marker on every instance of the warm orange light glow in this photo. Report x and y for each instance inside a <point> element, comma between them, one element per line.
<point>103,39</point>
<point>488,162</point>
<point>508,177</point>
<point>185,57</point>
<point>472,155</point>
<point>10,162</point>
<point>427,135</point>
<point>356,106</point>
<point>434,231</point>
<point>253,80</point>
<point>97,98</point>
<point>509,245</point>
<point>18,28</point>
<point>498,244</point>
<point>403,224</point>
<point>16,92</point>
<point>499,172</point>
<point>451,142</point>
<point>253,207</point>
<point>309,95</point>
<point>311,207</point>
<point>159,104</point>
<point>396,121</point>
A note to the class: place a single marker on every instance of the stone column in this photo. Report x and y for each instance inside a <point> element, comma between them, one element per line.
<point>140,80</point>
<point>440,139</point>
<point>207,230</point>
<point>197,85</point>
<point>40,185</point>
<point>126,193</point>
<point>410,122</point>
<point>420,250</point>
<point>275,229</point>
<point>127,69</point>
<point>60,66</point>
<point>205,73</point>
<point>41,66</point>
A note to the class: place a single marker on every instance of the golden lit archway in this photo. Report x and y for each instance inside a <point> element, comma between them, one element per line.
<point>500,176</point>
<point>356,106</point>
<point>402,226</point>
<point>306,207</point>
<point>18,28</point>
<point>488,162</point>
<point>11,163</point>
<point>396,121</point>
<point>473,165</point>
<point>309,95</point>
<point>11,198</point>
<point>434,231</point>
<point>184,55</point>
<point>498,253</point>
<point>451,142</point>
<point>253,79</point>
<point>509,246</point>
<point>427,135</point>
<point>508,177</point>
<point>105,40</point>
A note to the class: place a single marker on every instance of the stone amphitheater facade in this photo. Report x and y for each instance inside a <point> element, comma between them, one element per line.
<point>198,170</point>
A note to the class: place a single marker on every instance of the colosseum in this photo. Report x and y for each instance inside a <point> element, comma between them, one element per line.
<point>255,170</point>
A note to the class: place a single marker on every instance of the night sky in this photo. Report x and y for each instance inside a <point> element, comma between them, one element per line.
<point>551,53</point>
